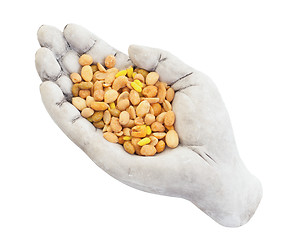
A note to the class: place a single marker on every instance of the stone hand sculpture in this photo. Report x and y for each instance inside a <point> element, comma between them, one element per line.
<point>205,168</point>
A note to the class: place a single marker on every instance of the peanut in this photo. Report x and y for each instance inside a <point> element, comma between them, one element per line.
<point>143,108</point>
<point>157,127</point>
<point>156,108</point>
<point>97,116</point>
<point>124,118</point>
<point>172,139</point>
<point>149,119</point>
<point>110,96</point>
<point>110,61</point>
<point>170,93</point>
<point>85,59</point>
<point>75,77</point>
<point>131,106</point>
<point>87,73</point>
<point>160,146</point>
<point>115,125</point>
<point>129,148</point>
<point>152,78</point>
<point>79,103</point>
<point>150,91</point>
<point>134,97</point>
<point>106,117</point>
<point>99,106</point>
<point>87,112</point>
<point>98,95</point>
<point>111,137</point>
<point>148,150</point>
<point>169,119</point>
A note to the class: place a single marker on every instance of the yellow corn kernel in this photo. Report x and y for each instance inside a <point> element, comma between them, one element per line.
<point>144,141</point>
<point>148,130</point>
<point>136,87</point>
<point>130,72</point>
<point>134,74</point>
<point>138,82</point>
<point>121,73</point>
<point>112,105</point>
<point>127,138</point>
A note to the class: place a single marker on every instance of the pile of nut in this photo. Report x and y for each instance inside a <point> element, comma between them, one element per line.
<point>131,106</point>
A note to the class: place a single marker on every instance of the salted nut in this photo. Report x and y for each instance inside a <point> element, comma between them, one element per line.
<point>131,106</point>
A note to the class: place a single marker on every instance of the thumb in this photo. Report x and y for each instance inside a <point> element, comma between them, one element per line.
<point>169,67</point>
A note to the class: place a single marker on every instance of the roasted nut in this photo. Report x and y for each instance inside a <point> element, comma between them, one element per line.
<point>134,97</point>
<point>129,148</point>
<point>89,101</point>
<point>115,125</point>
<point>169,119</point>
<point>157,127</point>
<point>160,146</point>
<point>97,116</point>
<point>87,73</point>
<point>111,137</point>
<point>127,131</point>
<point>79,103</point>
<point>148,150</point>
<point>85,85</point>
<point>85,59</point>
<point>99,106</point>
<point>152,78</point>
<point>98,95</point>
<point>150,91</point>
<point>172,139</point>
<point>119,82</point>
<point>75,77</point>
<point>84,93</point>
<point>161,92</point>
<point>132,112</point>
<point>98,85</point>
<point>153,140</point>
<point>110,96</point>
<point>167,106</point>
<point>139,121</point>
<point>149,119</point>
<point>170,93</point>
<point>99,124</point>
<point>101,68</point>
<point>139,131</point>
<point>159,135</point>
<point>114,112</point>
<point>106,117</point>
<point>124,118</point>
<point>142,109</point>
<point>110,61</point>
<point>156,108</point>
<point>161,117</point>
<point>75,90</point>
<point>87,112</point>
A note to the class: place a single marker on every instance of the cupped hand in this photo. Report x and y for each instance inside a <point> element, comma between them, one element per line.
<point>205,168</point>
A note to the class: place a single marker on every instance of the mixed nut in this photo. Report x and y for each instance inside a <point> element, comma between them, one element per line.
<point>131,106</point>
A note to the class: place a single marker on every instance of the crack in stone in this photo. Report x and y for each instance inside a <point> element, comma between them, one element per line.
<point>184,76</point>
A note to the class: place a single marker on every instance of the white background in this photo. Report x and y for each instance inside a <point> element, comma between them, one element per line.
<point>49,189</point>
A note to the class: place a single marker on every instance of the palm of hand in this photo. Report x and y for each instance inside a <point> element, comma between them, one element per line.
<point>205,168</point>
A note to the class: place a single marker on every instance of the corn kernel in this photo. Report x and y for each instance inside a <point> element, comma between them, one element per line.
<point>121,73</point>
<point>130,72</point>
<point>112,105</point>
<point>148,130</point>
<point>134,74</point>
<point>144,141</point>
<point>136,87</point>
<point>127,138</point>
<point>138,82</point>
